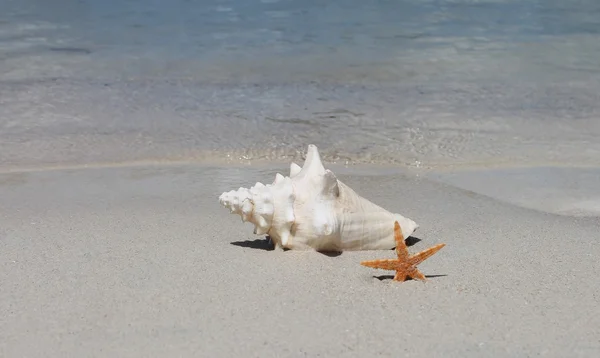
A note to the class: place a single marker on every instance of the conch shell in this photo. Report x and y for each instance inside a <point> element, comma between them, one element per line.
<point>312,209</point>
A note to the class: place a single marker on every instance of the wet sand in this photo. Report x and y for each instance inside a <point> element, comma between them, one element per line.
<point>143,261</point>
<point>570,191</point>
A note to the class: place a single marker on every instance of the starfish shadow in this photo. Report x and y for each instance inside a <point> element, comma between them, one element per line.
<point>390,277</point>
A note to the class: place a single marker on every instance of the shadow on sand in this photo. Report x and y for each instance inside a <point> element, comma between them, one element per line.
<point>410,241</point>
<point>259,244</point>
<point>267,245</point>
<point>390,277</point>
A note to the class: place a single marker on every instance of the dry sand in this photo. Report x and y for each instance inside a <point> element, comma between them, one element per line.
<point>132,262</point>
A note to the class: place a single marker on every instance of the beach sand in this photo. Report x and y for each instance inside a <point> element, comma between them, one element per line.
<point>143,261</point>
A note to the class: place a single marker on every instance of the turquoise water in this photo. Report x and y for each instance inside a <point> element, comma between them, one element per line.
<point>418,83</point>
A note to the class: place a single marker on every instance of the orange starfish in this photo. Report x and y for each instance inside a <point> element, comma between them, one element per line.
<point>405,265</point>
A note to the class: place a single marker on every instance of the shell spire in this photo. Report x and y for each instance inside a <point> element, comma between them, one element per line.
<point>294,169</point>
<point>311,208</point>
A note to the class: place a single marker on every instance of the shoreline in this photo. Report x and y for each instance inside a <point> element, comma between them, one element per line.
<point>569,191</point>
<point>421,125</point>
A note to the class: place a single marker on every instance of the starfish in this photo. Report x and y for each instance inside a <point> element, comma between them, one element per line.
<point>405,265</point>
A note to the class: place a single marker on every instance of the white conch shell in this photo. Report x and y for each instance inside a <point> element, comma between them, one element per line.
<point>312,209</point>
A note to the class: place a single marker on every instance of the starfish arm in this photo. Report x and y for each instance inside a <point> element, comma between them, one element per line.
<point>400,276</point>
<point>385,264</point>
<point>425,254</point>
<point>401,249</point>
<point>418,275</point>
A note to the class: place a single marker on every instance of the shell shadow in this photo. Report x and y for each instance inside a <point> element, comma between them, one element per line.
<point>260,244</point>
<point>410,241</point>
<point>330,253</point>
<point>267,245</point>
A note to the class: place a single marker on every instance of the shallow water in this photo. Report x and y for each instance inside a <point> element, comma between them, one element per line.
<point>418,83</point>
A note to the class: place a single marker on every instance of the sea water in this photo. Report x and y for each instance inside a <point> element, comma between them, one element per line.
<point>437,84</point>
